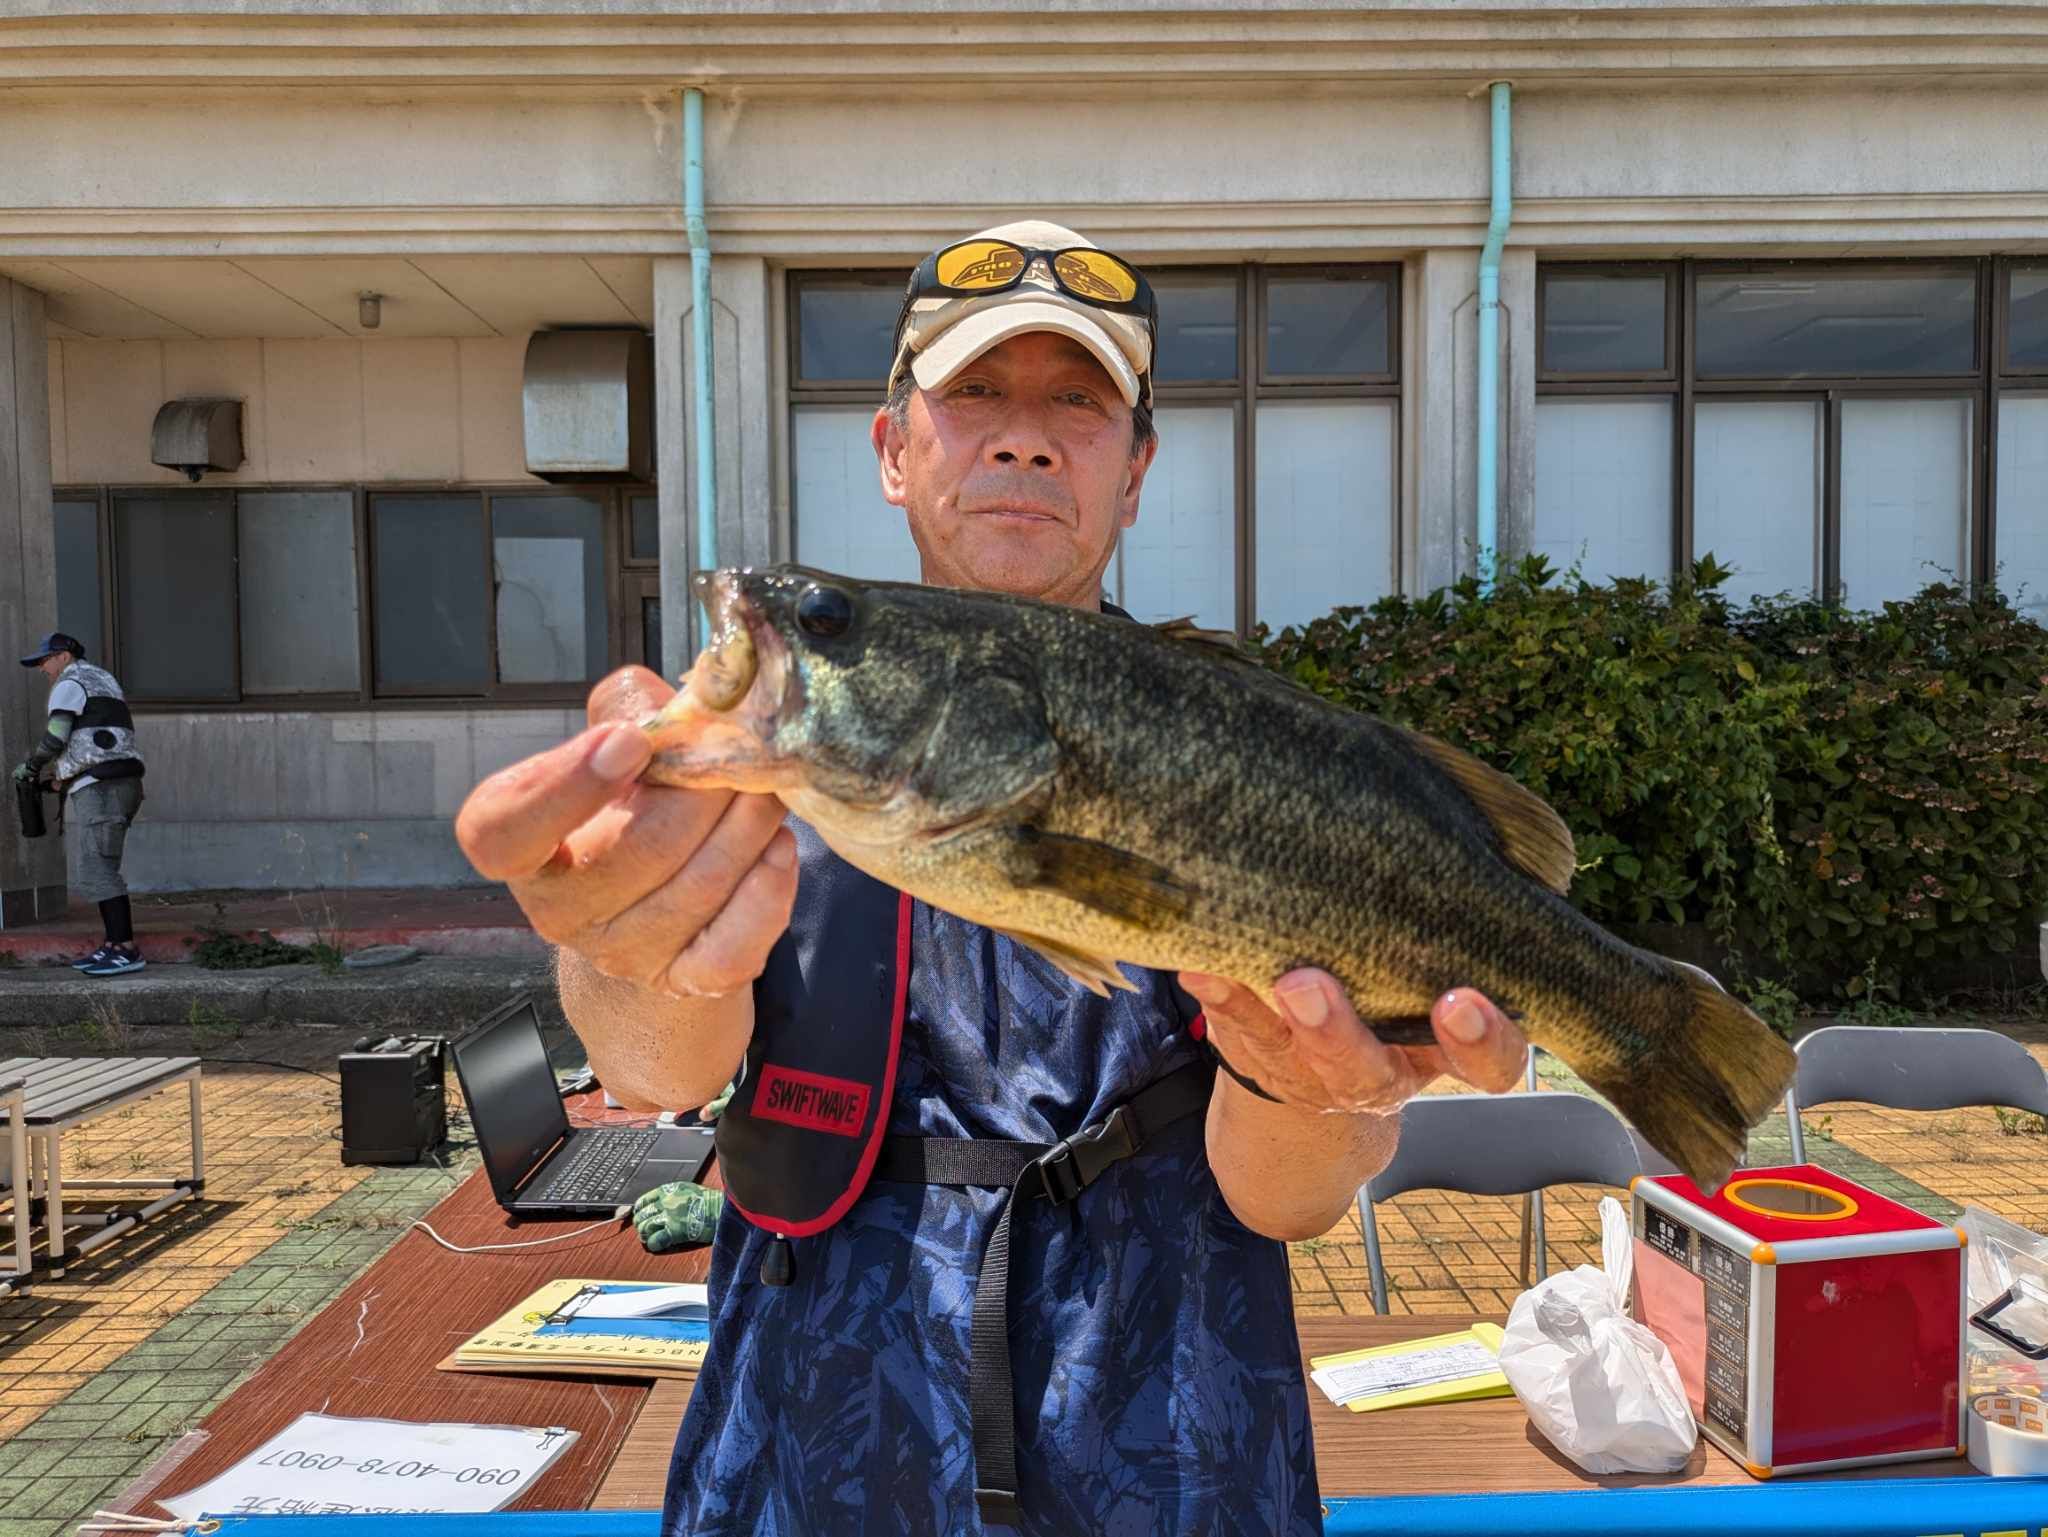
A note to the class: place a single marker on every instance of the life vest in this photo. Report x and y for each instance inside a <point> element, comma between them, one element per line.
<point>103,735</point>
<point>806,1127</point>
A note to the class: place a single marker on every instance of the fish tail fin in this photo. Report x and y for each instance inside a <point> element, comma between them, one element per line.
<point>1719,1071</point>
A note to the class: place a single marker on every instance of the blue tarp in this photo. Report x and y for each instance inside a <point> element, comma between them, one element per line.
<point>1876,1507</point>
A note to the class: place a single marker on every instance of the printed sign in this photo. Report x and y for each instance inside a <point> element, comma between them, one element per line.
<point>322,1464</point>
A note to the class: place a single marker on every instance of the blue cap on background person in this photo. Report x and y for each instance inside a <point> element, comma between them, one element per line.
<point>53,643</point>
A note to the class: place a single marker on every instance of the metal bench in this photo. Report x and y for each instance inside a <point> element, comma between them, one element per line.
<point>61,1094</point>
<point>11,1101</point>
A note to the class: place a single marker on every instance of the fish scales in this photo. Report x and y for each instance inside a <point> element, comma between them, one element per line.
<point>1110,792</point>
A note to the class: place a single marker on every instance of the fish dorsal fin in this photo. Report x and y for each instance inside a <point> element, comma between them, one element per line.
<point>1532,836</point>
<point>1186,630</point>
<point>1091,971</point>
<point>1113,881</point>
<point>1224,646</point>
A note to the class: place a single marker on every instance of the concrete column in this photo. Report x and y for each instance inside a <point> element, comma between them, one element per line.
<point>740,365</point>
<point>1443,401</point>
<point>31,872</point>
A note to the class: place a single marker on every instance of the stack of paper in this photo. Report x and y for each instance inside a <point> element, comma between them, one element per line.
<point>1443,1368</point>
<point>610,1328</point>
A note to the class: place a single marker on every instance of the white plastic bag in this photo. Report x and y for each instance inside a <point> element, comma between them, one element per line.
<point>1601,1386</point>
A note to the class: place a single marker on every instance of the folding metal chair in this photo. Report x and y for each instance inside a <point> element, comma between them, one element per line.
<point>1499,1144</point>
<point>1911,1069</point>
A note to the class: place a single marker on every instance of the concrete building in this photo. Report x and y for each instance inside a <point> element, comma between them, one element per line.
<point>1775,288</point>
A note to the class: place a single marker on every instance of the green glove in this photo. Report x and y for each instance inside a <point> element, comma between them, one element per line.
<point>23,772</point>
<point>671,1216</point>
<point>712,1110</point>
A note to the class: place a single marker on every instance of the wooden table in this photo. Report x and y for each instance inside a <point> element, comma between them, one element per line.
<point>371,1352</point>
<point>1486,1446</point>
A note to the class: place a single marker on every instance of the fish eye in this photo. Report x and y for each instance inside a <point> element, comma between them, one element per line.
<point>824,612</point>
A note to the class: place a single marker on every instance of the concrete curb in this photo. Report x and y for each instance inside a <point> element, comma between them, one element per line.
<point>39,946</point>
<point>440,993</point>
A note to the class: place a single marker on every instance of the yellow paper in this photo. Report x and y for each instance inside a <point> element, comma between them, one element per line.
<point>519,1341</point>
<point>1481,1385</point>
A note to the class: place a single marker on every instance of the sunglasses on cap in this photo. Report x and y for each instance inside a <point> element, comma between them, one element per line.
<point>970,268</point>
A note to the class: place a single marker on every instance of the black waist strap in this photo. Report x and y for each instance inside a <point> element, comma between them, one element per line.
<point>1059,1171</point>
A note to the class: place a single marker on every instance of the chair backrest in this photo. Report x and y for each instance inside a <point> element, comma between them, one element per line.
<point>1506,1144</point>
<point>1916,1069</point>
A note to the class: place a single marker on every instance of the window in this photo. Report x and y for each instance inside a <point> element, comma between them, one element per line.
<point>1606,420</point>
<point>1603,485</point>
<point>341,596</point>
<point>79,602</point>
<point>1820,427</point>
<point>433,594</point>
<point>2019,528</point>
<point>1272,498</point>
<point>298,593</point>
<point>2026,319</point>
<point>1868,320</point>
<point>548,563</point>
<point>175,583</point>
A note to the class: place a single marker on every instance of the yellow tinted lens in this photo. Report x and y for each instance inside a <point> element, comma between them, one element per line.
<point>1097,275</point>
<point>979,264</point>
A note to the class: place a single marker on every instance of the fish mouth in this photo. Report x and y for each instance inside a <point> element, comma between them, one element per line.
<point>719,730</point>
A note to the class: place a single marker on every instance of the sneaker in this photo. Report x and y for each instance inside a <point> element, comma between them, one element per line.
<point>117,962</point>
<point>94,959</point>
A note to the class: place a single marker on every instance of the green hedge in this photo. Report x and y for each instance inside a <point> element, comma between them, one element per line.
<point>1852,796</point>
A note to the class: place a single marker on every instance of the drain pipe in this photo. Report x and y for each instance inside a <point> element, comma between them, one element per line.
<point>700,335</point>
<point>1501,210</point>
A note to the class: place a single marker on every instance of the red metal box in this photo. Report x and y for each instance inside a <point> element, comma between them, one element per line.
<point>1815,1323</point>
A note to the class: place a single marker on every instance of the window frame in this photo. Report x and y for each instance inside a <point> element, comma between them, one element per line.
<point>1991,275</point>
<point>621,577</point>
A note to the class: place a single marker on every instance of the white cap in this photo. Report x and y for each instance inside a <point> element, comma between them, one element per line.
<point>941,336</point>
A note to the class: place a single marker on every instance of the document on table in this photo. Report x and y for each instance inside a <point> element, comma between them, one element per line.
<point>322,1464</point>
<point>1439,1369</point>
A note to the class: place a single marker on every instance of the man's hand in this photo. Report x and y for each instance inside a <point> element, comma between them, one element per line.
<point>670,1216</point>
<point>681,891</point>
<point>1319,1055</point>
<point>1290,1170</point>
<point>24,773</point>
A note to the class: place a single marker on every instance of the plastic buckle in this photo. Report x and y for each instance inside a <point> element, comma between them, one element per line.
<point>1076,1163</point>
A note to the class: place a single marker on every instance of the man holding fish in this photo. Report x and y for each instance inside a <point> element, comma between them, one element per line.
<point>916,1327</point>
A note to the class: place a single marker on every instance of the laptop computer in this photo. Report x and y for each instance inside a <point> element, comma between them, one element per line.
<point>540,1165</point>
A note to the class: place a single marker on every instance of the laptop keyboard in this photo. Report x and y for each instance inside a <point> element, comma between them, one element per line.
<point>596,1170</point>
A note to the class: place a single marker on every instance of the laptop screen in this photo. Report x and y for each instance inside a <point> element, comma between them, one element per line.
<point>513,1101</point>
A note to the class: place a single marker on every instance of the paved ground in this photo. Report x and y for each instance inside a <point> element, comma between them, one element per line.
<point>100,1372</point>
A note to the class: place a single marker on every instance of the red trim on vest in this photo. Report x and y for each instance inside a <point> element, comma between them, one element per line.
<point>873,1150</point>
<point>813,1101</point>
<point>1198,1028</point>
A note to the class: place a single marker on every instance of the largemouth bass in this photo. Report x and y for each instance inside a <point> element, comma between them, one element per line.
<point>1105,791</point>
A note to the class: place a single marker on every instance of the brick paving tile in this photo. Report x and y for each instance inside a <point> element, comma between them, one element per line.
<point>99,1368</point>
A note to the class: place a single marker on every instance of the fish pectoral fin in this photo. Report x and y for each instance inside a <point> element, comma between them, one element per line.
<point>1091,971</point>
<point>1113,881</point>
<point>1532,836</point>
